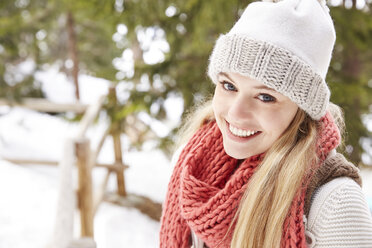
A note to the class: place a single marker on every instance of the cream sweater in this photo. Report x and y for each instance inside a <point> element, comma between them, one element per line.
<point>339,216</point>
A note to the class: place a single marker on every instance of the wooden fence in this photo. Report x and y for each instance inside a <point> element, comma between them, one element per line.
<point>86,160</point>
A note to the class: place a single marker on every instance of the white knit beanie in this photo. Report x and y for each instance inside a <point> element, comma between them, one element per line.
<point>285,44</point>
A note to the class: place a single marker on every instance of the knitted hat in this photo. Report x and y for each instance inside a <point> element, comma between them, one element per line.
<point>287,45</point>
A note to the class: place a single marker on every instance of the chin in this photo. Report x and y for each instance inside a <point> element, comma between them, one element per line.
<point>235,153</point>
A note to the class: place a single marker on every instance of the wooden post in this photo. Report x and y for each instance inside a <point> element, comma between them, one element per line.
<point>89,116</point>
<point>85,195</point>
<point>115,133</point>
<point>119,161</point>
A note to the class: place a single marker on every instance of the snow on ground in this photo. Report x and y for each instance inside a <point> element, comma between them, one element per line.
<point>29,192</point>
<point>27,206</point>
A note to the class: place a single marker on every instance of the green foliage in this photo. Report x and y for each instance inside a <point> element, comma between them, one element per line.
<point>350,72</point>
<point>36,30</point>
<point>17,43</point>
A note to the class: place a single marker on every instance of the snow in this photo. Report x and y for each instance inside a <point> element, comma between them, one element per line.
<point>29,193</point>
<point>57,88</point>
<point>27,206</point>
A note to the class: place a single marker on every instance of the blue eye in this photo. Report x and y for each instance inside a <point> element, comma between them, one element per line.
<point>228,86</point>
<point>266,98</point>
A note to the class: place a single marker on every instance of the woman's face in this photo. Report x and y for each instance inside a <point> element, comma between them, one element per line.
<point>250,115</point>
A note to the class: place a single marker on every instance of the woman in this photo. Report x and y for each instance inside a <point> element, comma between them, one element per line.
<point>260,168</point>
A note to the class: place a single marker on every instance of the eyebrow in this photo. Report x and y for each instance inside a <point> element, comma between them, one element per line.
<point>261,87</point>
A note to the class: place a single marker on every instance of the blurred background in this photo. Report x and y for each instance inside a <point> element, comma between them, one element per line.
<point>122,74</point>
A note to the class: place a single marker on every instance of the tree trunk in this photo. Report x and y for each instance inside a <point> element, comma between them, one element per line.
<point>137,51</point>
<point>73,53</point>
<point>352,64</point>
<point>354,4</point>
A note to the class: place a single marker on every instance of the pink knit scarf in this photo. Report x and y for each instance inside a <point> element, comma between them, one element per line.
<point>206,187</point>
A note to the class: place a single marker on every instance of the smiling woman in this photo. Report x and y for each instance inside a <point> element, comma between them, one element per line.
<point>260,167</point>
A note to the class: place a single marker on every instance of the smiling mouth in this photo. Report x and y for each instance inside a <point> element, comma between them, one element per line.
<point>241,132</point>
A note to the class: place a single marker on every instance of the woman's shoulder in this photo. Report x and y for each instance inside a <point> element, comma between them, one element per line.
<point>339,216</point>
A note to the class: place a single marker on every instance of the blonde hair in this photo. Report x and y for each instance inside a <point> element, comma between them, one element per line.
<point>265,204</point>
<point>197,117</point>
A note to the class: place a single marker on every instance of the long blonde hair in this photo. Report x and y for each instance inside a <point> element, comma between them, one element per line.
<point>265,204</point>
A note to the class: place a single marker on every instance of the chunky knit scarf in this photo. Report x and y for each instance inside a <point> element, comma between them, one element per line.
<point>207,185</point>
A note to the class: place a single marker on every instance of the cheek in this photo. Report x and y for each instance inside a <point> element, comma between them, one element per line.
<point>277,121</point>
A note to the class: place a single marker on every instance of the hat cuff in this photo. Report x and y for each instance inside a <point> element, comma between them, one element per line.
<point>275,67</point>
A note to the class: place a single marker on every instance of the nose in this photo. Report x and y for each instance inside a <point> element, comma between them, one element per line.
<point>241,108</point>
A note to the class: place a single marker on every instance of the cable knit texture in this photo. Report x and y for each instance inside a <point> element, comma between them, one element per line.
<point>275,67</point>
<point>339,216</point>
<point>206,188</point>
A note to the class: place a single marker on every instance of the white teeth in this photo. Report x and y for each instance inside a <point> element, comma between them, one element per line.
<point>240,132</point>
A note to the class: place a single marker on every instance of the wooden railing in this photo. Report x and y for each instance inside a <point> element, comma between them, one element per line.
<point>85,157</point>
<point>86,160</point>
